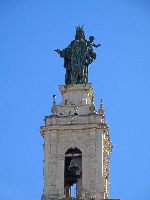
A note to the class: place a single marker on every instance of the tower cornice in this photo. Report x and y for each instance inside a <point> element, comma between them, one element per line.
<point>45,129</point>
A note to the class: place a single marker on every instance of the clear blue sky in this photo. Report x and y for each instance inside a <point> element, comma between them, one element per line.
<point>30,72</point>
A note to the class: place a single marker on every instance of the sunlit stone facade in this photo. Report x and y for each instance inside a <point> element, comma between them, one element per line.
<point>76,146</point>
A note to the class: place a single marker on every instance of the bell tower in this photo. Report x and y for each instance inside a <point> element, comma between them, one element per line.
<point>76,135</point>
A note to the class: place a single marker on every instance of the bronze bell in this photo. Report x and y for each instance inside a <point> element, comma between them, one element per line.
<point>73,165</point>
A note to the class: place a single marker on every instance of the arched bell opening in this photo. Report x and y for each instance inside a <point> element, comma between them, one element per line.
<point>73,173</point>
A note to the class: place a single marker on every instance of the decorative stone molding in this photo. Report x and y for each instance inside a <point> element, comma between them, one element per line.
<point>107,149</point>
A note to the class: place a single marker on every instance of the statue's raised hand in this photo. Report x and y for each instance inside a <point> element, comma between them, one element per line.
<point>58,51</point>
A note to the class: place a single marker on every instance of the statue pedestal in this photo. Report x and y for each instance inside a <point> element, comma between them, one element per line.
<point>76,94</point>
<point>75,99</point>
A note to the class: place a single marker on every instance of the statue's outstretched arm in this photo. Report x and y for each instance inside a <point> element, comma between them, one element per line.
<point>58,51</point>
<point>61,53</point>
<point>97,45</point>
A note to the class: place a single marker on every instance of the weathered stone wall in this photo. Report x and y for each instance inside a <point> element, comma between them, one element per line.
<point>69,127</point>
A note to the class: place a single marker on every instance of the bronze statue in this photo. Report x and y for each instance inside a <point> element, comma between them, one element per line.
<point>77,57</point>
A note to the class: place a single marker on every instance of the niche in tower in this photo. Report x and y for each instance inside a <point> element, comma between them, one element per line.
<point>73,173</point>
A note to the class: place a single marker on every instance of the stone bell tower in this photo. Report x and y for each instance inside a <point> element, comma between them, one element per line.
<point>76,136</point>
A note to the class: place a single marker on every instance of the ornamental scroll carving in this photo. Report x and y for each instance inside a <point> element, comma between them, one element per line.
<point>106,162</point>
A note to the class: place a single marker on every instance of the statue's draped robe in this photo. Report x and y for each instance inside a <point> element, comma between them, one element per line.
<point>78,61</point>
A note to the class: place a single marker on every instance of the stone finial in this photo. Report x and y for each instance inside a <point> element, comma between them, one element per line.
<point>54,108</point>
<point>54,98</point>
<point>101,104</point>
<point>91,95</point>
<point>102,112</point>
